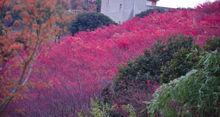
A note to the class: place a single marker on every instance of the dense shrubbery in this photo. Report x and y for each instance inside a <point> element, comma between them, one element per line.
<point>101,109</point>
<point>212,44</point>
<point>131,81</point>
<point>181,63</point>
<point>195,94</point>
<point>148,66</point>
<point>150,11</point>
<point>164,63</point>
<point>89,21</point>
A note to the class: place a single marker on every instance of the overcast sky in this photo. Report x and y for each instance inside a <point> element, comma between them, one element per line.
<point>181,3</point>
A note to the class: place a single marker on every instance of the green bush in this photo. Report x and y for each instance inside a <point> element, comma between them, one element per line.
<point>130,86</point>
<point>212,44</point>
<point>163,63</point>
<point>181,63</point>
<point>195,94</point>
<point>100,109</point>
<point>130,110</point>
<point>89,22</point>
<point>148,66</point>
<point>150,11</point>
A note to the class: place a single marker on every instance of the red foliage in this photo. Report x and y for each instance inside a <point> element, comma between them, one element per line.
<point>79,66</point>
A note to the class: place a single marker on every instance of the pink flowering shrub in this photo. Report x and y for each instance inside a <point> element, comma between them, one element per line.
<point>67,74</point>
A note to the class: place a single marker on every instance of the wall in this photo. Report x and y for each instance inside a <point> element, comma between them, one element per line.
<point>122,10</point>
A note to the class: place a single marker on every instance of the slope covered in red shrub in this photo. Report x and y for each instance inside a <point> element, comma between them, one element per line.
<point>66,75</point>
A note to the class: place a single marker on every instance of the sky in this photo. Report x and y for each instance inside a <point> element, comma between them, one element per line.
<point>181,3</point>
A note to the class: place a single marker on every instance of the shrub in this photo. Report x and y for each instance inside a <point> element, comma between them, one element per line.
<point>130,110</point>
<point>163,63</point>
<point>181,63</point>
<point>148,66</point>
<point>150,11</point>
<point>195,94</point>
<point>100,109</point>
<point>213,44</point>
<point>131,81</point>
<point>89,21</point>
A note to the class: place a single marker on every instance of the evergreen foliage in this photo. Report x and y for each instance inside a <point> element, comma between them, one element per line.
<point>165,63</point>
<point>148,66</point>
<point>150,11</point>
<point>89,22</point>
<point>195,94</point>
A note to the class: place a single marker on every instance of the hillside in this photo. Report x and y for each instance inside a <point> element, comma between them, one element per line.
<point>69,73</point>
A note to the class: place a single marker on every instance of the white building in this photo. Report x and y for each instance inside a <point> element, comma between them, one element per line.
<point>122,10</point>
